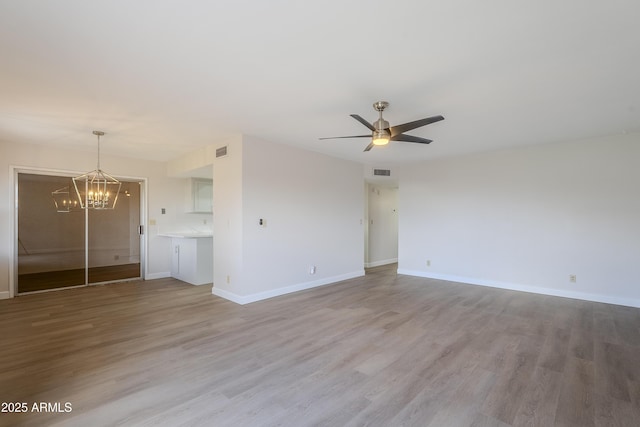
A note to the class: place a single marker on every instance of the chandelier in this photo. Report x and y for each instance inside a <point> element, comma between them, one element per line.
<point>64,200</point>
<point>97,189</point>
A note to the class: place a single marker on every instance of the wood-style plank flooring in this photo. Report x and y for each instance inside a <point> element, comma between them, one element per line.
<point>381,350</point>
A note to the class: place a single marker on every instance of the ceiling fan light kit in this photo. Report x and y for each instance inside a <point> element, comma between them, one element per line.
<point>380,137</point>
<point>382,133</point>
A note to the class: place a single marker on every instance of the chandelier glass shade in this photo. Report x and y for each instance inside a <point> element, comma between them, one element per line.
<point>97,189</point>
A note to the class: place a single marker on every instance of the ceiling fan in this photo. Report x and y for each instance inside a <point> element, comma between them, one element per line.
<point>381,133</point>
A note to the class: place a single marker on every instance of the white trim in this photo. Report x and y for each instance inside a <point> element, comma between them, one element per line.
<point>246,299</point>
<point>13,232</point>
<point>161,275</point>
<point>5,295</point>
<point>526,288</point>
<point>144,221</point>
<point>228,295</point>
<point>379,263</point>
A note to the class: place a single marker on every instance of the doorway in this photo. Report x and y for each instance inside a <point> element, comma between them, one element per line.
<point>381,238</point>
<point>60,245</point>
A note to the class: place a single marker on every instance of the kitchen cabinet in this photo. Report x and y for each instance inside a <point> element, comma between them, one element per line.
<point>192,258</point>
<point>199,195</point>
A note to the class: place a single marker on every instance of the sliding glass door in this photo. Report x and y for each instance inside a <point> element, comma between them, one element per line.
<point>114,238</point>
<point>51,239</point>
<point>61,245</point>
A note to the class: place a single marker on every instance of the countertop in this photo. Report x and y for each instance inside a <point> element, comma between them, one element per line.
<point>187,234</point>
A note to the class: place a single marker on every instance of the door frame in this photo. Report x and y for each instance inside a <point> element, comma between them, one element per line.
<point>13,183</point>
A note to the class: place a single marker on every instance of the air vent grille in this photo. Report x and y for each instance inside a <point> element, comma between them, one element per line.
<point>221,152</point>
<point>382,172</point>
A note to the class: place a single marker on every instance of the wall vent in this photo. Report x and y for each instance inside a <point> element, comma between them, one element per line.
<point>221,152</point>
<point>382,172</point>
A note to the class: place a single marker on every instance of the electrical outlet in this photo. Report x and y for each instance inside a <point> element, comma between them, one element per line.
<point>428,263</point>
<point>312,269</point>
<point>572,278</point>
<point>228,279</point>
<point>116,257</point>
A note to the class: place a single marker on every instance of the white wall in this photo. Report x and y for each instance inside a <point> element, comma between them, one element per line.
<point>528,218</point>
<point>227,209</point>
<point>382,215</point>
<point>227,221</point>
<point>161,192</point>
<point>312,206</point>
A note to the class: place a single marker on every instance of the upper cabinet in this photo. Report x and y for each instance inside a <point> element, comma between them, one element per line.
<point>199,195</point>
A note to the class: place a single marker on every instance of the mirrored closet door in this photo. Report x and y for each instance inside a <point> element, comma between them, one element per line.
<point>60,245</point>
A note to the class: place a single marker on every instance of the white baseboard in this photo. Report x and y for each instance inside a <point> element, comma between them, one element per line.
<point>238,299</point>
<point>246,299</point>
<point>161,275</point>
<point>526,288</point>
<point>379,263</point>
<point>4,295</point>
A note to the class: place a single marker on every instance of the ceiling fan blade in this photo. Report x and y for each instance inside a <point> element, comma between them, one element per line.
<point>405,127</point>
<point>352,136</point>
<point>410,138</point>
<point>363,121</point>
<point>369,147</point>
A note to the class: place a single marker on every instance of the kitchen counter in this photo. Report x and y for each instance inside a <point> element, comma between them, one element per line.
<point>187,234</point>
<point>191,256</point>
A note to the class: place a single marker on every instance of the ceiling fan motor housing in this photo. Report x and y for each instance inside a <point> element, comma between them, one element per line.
<point>381,134</point>
<point>381,124</point>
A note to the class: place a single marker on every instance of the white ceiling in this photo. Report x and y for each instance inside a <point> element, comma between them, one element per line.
<point>162,77</point>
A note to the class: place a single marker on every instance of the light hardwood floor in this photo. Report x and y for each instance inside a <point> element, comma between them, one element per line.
<point>380,350</point>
